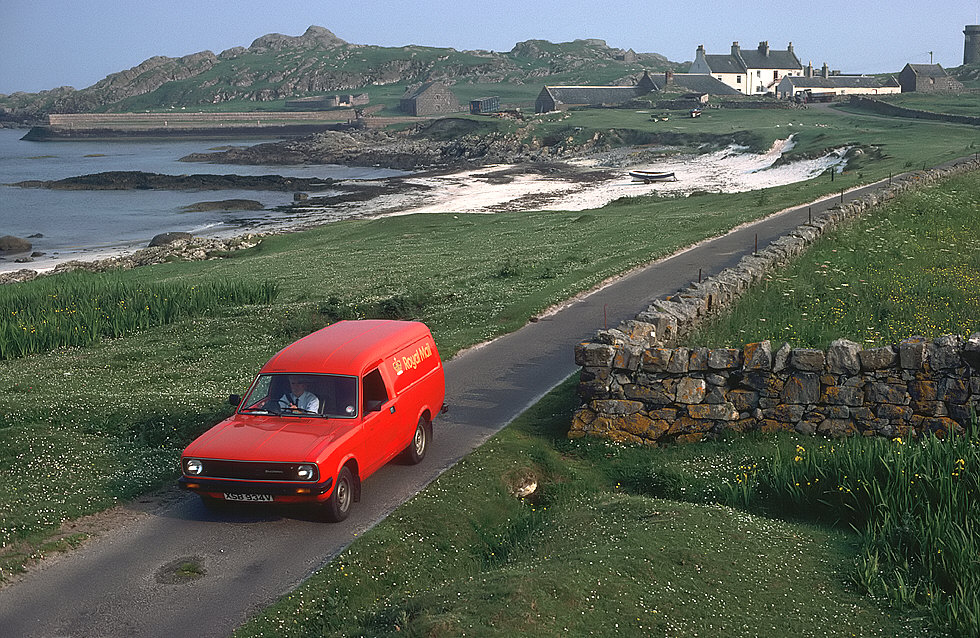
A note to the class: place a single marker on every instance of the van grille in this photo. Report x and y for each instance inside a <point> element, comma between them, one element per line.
<point>250,470</point>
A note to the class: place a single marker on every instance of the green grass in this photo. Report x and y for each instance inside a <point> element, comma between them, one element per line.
<point>959,104</point>
<point>604,547</point>
<point>829,538</point>
<point>910,268</point>
<point>82,308</point>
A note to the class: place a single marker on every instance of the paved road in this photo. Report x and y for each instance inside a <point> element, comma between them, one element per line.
<point>112,587</point>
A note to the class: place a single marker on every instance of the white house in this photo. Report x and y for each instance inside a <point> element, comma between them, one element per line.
<point>750,71</point>
<point>826,83</point>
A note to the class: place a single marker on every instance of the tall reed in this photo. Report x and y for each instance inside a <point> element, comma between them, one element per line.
<point>78,309</point>
<point>915,504</point>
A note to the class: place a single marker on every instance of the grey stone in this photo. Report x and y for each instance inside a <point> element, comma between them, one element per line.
<point>616,407</point>
<point>879,392</point>
<point>679,360</point>
<point>589,354</point>
<point>724,358</point>
<point>780,360</point>
<point>656,359</point>
<point>698,360</point>
<point>11,244</point>
<point>167,239</point>
<point>807,359</point>
<point>716,379</point>
<point>842,357</point>
<point>878,358</point>
<point>801,387</point>
<point>912,353</point>
<point>944,352</point>
<point>714,412</point>
<point>691,390</point>
<point>758,356</point>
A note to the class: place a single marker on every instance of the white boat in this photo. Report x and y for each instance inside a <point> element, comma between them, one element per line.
<point>652,176</point>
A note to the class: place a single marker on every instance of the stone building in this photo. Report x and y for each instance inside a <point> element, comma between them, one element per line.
<point>328,101</point>
<point>971,47</point>
<point>928,78</point>
<point>560,98</point>
<point>431,98</point>
<point>748,71</point>
<point>826,82</point>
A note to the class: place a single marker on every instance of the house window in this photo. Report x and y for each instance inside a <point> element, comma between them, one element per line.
<point>738,79</point>
<point>775,75</point>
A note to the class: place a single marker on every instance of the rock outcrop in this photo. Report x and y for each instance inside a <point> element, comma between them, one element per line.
<point>11,244</point>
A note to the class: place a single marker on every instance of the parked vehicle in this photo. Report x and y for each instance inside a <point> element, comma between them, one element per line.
<point>322,415</point>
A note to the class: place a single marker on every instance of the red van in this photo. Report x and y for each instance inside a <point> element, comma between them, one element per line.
<point>323,414</point>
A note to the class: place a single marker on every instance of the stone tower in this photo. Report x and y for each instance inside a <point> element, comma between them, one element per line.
<point>971,50</point>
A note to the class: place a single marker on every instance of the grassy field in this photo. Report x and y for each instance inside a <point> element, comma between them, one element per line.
<point>616,541</point>
<point>833,538</point>
<point>913,268</point>
<point>75,441</point>
<point>965,104</point>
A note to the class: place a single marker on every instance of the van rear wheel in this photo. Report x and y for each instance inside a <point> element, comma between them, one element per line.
<point>337,507</point>
<point>419,445</point>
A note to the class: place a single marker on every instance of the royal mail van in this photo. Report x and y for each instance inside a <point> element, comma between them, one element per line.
<point>321,416</point>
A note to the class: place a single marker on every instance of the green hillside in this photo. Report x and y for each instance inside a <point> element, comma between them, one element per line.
<point>276,68</point>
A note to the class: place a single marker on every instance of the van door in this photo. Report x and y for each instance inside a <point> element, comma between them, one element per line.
<point>380,418</point>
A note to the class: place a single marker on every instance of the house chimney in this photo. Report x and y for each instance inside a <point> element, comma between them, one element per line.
<point>790,47</point>
<point>764,48</point>
<point>808,72</point>
<point>701,49</point>
<point>825,71</point>
<point>669,77</point>
<point>735,48</point>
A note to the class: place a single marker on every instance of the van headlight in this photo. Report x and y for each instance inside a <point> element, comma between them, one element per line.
<point>193,467</point>
<point>306,472</point>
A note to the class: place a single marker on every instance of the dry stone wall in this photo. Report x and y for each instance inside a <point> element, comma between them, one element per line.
<point>636,387</point>
<point>657,395</point>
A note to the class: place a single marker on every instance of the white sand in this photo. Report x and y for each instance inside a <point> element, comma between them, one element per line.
<point>727,171</point>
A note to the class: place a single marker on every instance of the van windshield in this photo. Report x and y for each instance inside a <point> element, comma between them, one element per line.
<point>317,395</point>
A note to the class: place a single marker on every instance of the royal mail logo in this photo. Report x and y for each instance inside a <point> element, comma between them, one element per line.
<point>412,361</point>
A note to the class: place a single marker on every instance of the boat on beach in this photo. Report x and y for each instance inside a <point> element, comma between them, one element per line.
<point>652,176</point>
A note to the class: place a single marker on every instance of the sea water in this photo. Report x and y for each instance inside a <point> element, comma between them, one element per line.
<point>76,224</point>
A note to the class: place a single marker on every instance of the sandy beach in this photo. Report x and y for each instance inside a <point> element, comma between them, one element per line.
<point>585,183</point>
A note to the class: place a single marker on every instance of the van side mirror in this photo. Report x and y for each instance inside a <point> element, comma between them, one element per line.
<point>234,400</point>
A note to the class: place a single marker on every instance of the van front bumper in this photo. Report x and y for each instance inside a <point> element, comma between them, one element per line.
<point>255,487</point>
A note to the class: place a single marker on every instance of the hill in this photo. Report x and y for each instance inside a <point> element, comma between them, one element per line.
<point>277,67</point>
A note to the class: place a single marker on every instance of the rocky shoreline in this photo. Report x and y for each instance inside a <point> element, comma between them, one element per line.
<point>180,247</point>
<point>138,180</point>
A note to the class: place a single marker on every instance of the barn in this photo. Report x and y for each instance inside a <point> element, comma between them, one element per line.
<point>431,98</point>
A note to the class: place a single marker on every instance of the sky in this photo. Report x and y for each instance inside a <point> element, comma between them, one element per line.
<point>45,44</point>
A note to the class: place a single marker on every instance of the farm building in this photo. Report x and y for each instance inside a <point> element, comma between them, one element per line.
<point>484,105</point>
<point>749,71</point>
<point>826,83</point>
<point>928,78</point>
<point>431,98</point>
<point>560,98</point>
<point>328,101</point>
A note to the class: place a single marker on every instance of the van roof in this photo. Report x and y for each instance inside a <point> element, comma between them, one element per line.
<point>346,347</point>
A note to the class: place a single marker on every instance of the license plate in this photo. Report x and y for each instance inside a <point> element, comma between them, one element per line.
<point>249,498</point>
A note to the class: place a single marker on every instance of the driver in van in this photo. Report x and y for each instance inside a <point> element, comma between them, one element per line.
<point>299,397</point>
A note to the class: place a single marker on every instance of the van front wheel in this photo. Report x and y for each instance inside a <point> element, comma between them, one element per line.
<point>337,507</point>
<point>419,445</point>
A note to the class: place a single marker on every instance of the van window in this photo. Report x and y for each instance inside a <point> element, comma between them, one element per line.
<point>375,393</point>
<point>323,395</point>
